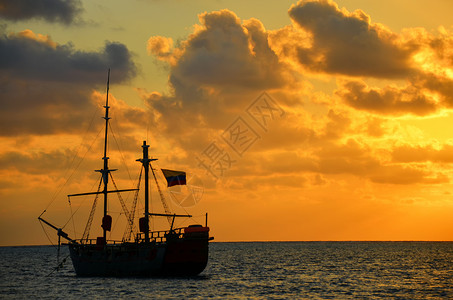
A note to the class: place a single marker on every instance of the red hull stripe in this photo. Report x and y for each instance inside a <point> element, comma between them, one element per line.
<point>196,229</point>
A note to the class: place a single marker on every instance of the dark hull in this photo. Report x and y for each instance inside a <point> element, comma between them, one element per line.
<point>185,257</point>
<point>177,257</point>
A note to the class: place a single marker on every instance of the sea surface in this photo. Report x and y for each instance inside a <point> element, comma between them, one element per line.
<point>258,270</point>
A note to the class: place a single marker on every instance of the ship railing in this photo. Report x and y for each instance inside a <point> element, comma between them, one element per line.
<point>160,236</point>
<point>154,236</point>
<point>95,242</point>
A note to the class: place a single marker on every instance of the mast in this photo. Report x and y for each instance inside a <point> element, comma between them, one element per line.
<point>105,171</point>
<point>145,161</point>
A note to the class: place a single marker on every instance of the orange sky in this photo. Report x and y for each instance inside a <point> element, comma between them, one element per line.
<point>309,120</point>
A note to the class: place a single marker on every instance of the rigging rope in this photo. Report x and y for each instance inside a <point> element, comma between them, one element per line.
<point>72,215</point>
<point>59,266</point>
<point>54,197</point>
<point>129,217</point>
<point>45,232</point>
<point>162,198</point>
<point>86,232</point>
<point>130,227</point>
<point>121,152</point>
<point>73,223</point>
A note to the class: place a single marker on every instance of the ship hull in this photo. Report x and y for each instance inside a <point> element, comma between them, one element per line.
<point>179,257</point>
<point>185,257</point>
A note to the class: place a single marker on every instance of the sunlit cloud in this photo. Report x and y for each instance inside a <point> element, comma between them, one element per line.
<point>420,154</point>
<point>389,100</point>
<point>325,39</point>
<point>221,65</point>
<point>336,41</point>
<point>162,48</point>
<point>344,43</point>
<point>223,52</point>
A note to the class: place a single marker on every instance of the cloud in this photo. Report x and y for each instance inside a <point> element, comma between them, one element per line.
<point>357,159</point>
<point>388,101</point>
<point>214,73</point>
<point>434,51</point>
<point>400,174</point>
<point>47,87</point>
<point>55,11</point>
<point>126,120</point>
<point>29,56</point>
<point>337,152</point>
<point>162,48</point>
<point>206,98</point>
<point>210,84</point>
<point>222,52</point>
<point>422,154</point>
<point>339,42</point>
<point>424,94</point>
<point>439,84</point>
<point>326,40</point>
<point>36,162</point>
<point>41,108</point>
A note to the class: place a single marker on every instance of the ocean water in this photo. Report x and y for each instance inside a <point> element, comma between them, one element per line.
<point>268,270</point>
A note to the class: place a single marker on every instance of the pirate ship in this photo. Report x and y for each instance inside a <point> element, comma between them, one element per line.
<point>175,251</point>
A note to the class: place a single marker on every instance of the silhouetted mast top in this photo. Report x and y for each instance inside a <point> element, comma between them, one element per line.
<point>105,172</point>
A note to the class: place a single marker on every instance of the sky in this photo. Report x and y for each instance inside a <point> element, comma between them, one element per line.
<point>311,120</point>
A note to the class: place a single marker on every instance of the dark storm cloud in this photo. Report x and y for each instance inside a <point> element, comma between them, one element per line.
<point>62,11</point>
<point>347,43</point>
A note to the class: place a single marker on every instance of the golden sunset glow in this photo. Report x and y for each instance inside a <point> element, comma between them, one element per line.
<point>300,120</point>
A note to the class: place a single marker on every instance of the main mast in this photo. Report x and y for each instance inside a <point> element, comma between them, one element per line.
<point>145,161</point>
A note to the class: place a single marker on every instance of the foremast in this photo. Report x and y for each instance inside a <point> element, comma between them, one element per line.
<point>105,176</point>
<point>106,220</point>
<point>105,173</point>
